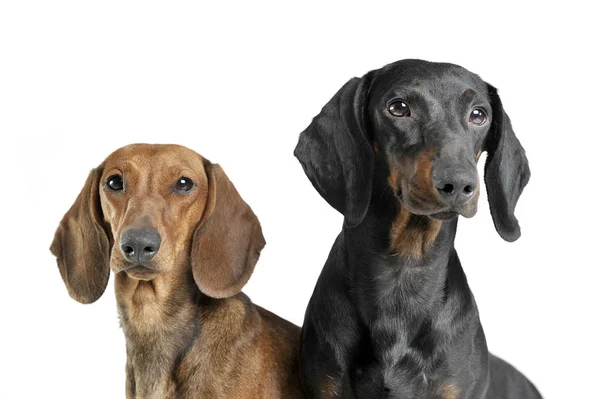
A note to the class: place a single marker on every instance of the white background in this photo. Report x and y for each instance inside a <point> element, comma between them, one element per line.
<point>237,82</point>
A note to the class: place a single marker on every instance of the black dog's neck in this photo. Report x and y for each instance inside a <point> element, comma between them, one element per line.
<point>406,266</point>
<point>409,253</point>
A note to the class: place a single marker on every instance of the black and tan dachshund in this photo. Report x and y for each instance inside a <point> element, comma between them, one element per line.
<point>392,315</point>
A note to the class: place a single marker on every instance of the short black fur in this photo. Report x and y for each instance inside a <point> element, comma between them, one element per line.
<point>392,315</point>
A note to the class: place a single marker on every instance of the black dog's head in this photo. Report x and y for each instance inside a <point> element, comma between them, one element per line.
<point>428,122</point>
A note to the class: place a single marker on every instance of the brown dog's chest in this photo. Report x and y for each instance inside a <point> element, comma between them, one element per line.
<point>196,349</point>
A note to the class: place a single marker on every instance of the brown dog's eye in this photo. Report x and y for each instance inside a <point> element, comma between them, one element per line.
<point>115,183</point>
<point>478,117</point>
<point>399,108</point>
<point>184,185</point>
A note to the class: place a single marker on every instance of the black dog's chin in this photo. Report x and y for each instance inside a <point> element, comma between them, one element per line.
<point>446,215</point>
<point>467,212</point>
<point>421,208</point>
<point>415,207</point>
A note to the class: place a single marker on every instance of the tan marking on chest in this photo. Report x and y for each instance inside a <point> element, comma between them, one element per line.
<point>330,387</point>
<point>450,391</point>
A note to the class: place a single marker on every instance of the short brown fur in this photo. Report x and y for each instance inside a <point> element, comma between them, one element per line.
<point>190,332</point>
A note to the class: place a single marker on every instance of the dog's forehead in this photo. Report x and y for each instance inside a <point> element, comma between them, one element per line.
<point>155,156</point>
<point>438,79</point>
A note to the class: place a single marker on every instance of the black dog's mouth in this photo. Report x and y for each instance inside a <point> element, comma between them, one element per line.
<point>420,207</point>
<point>449,214</point>
<point>441,213</point>
<point>444,215</point>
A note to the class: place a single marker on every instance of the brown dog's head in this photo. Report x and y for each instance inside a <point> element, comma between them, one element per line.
<point>428,124</point>
<point>149,209</point>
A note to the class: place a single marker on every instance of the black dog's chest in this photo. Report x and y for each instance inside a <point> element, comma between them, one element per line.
<point>376,378</point>
<point>403,347</point>
<point>397,364</point>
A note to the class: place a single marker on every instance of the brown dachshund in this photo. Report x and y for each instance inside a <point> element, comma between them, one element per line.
<point>182,243</point>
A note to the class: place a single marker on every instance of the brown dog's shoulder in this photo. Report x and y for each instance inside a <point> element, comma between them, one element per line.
<point>277,323</point>
<point>281,349</point>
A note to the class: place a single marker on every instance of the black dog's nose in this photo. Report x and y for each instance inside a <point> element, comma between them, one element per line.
<point>140,245</point>
<point>455,186</point>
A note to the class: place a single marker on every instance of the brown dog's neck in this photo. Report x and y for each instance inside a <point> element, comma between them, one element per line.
<point>162,319</point>
<point>144,306</point>
<point>159,323</point>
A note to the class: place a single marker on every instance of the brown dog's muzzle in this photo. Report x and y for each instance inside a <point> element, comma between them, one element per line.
<point>139,247</point>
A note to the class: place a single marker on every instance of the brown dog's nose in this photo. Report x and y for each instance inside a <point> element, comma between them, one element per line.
<point>140,245</point>
<point>456,186</point>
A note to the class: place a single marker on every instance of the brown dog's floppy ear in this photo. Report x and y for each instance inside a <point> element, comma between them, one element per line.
<point>506,171</point>
<point>81,245</point>
<point>228,241</point>
<point>336,155</point>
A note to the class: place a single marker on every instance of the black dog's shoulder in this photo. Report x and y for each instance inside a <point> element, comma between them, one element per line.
<point>507,382</point>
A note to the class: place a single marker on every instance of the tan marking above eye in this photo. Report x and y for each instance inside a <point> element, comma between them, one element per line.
<point>469,93</point>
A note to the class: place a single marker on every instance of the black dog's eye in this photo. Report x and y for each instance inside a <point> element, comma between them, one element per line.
<point>184,185</point>
<point>115,183</point>
<point>478,117</point>
<point>399,108</point>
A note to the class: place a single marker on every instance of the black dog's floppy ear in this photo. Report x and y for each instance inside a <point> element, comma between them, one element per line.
<point>82,246</point>
<point>336,155</point>
<point>506,170</point>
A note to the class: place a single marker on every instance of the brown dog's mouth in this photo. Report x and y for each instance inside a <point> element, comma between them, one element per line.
<point>140,272</point>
